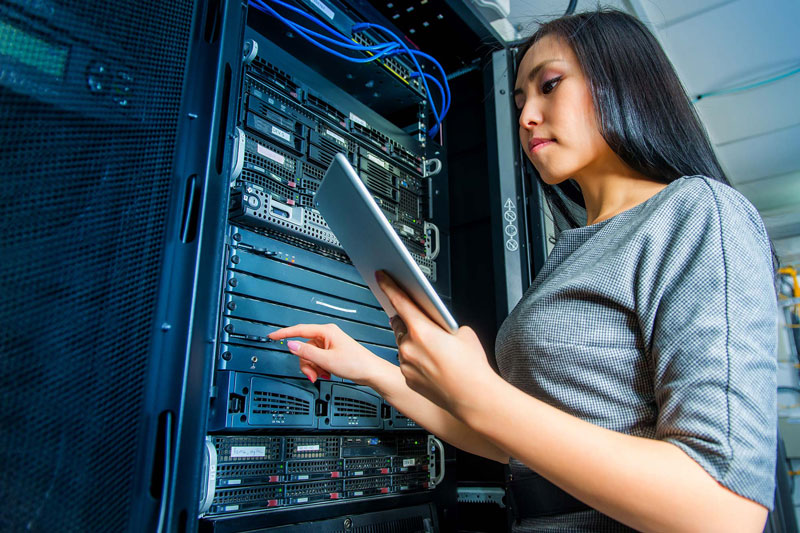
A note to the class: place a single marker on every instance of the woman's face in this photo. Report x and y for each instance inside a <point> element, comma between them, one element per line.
<point>557,124</point>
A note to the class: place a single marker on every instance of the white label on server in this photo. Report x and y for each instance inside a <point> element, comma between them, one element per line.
<point>308,448</point>
<point>234,482</point>
<point>358,473</point>
<point>358,493</point>
<point>266,152</point>
<point>339,138</point>
<point>302,500</point>
<point>231,507</point>
<point>322,7</point>
<point>282,134</point>
<point>358,120</point>
<point>377,160</point>
<point>248,451</point>
<point>303,477</point>
<point>406,230</point>
<point>409,462</point>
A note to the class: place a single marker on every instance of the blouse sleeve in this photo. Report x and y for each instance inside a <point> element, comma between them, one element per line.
<point>713,344</point>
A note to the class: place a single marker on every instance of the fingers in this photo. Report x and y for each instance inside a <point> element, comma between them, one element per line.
<point>313,371</point>
<point>318,356</point>
<point>399,328</point>
<point>403,304</point>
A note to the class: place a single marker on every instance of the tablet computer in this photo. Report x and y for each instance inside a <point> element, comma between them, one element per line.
<point>371,242</point>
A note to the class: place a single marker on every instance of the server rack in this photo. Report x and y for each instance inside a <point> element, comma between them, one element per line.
<point>232,437</point>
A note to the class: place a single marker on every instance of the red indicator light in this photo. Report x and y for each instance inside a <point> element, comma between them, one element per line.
<point>272,503</point>
<point>273,479</point>
<point>334,474</point>
<point>384,490</point>
<point>334,495</point>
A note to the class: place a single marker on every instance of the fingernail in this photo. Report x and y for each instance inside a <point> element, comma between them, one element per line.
<point>326,376</point>
<point>293,345</point>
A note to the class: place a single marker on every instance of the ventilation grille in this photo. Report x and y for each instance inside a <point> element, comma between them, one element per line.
<point>270,72</point>
<point>414,524</point>
<point>285,167</point>
<point>272,447</point>
<point>84,205</point>
<point>304,467</point>
<point>411,446</point>
<point>273,403</point>
<point>409,202</point>
<point>367,462</point>
<point>304,244</point>
<point>294,490</point>
<point>353,407</point>
<point>248,494</point>
<point>271,185</point>
<point>248,469</point>
<point>366,483</point>
<point>312,172</point>
<point>368,133</point>
<point>299,447</point>
<point>325,108</point>
<point>405,156</point>
<point>278,98</point>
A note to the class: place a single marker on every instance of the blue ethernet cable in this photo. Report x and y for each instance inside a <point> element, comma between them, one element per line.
<point>364,25</point>
<point>344,42</point>
<point>379,51</point>
<point>444,76</point>
<point>382,49</point>
<point>434,80</point>
<point>312,18</point>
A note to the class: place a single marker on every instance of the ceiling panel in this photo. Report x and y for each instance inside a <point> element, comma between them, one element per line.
<point>771,154</point>
<point>527,15</point>
<point>734,44</point>
<point>662,14</point>
<point>774,194</point>
<point>753,112</point>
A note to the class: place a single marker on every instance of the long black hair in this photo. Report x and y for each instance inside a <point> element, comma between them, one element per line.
<point>642,109</point>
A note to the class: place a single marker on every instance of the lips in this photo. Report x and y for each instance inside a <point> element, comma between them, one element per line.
<point>537,143</point>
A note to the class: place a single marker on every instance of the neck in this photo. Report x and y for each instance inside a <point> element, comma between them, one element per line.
<point>611,190</point>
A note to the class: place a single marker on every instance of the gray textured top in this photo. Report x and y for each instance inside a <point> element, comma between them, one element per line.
<point>659,322</point>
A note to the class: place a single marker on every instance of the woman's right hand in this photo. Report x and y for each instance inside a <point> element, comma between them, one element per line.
<point>330,350</point>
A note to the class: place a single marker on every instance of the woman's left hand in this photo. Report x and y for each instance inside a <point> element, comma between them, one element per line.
<point>447,368</point>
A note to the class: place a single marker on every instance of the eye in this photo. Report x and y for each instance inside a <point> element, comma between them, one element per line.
<point>549,85</point>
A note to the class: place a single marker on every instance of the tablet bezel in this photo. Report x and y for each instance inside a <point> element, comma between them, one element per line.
<point>371,243</point>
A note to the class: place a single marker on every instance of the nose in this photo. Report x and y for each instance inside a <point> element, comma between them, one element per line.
<point>530,116</point>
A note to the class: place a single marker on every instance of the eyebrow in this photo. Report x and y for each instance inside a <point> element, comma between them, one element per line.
<point>535,72</point>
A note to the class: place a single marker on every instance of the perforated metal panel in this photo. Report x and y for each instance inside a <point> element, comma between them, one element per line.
<point>83,206</point>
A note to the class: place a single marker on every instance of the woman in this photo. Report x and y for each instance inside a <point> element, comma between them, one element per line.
<point>637,374</point>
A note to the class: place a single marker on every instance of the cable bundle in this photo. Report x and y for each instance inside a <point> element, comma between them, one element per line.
<point>395,46</point>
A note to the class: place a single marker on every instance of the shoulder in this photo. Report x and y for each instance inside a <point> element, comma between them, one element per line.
<point>709,210</point>
<point>707,200</point>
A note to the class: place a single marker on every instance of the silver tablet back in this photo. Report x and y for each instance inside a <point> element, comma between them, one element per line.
<point>371,243</point>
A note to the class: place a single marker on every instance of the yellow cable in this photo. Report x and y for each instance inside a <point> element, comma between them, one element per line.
<point>791,271</point>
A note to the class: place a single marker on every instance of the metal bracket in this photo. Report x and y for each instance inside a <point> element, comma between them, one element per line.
<point>493,495</point>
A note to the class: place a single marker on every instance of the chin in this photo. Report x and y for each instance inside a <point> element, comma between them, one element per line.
<point>551,178</point>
